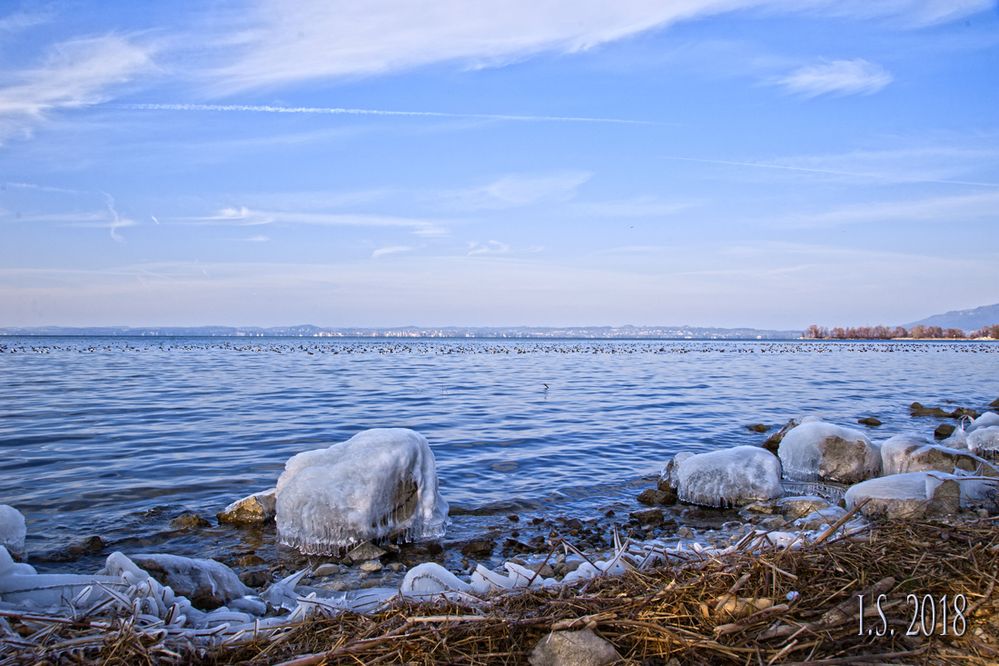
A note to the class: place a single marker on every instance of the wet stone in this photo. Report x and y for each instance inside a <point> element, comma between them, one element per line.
<point>365,551</point>
<point>189,521</point>
<point>652,497</point>
<point>371,566</point>
<point>944,430</point>
<point>648,516</point>
<point>757,427</point>
<point>869,421</point>
<point>255,578</point>
<point>478,548</point>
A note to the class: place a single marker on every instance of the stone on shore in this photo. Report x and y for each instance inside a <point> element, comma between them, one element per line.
<point>379,485</point>
<point>207,583</point>
<point>819,451</point>
<point>12,530</point>
<point>573,648</point>
<point>802,505</point>
<point>943,431</point>
<point>255,509</point>
<point>907,453</point>
<point>730,477</point>
<point>907,496</point>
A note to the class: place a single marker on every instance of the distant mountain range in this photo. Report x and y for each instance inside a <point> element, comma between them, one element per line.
<point>515,332</point>
<point>966,320</point>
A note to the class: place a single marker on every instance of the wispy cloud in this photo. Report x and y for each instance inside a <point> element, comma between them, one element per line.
<point>244,216</point>
<point>390,249</point>
<point>512,191</point>
<point>256,238</point>
<point>836,77</point>
<point>324,39</point>
<point>644,206</point>
<point>944,210</point>
<point>74,74</point>
<point>349,111</point>
<point>489,247</point>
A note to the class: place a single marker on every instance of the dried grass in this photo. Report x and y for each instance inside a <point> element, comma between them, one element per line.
<point>679,610</point>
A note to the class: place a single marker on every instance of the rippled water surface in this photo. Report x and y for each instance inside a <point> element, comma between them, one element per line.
<point>108,436</point>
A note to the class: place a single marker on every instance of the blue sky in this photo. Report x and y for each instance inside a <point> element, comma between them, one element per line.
<point>705,162</point>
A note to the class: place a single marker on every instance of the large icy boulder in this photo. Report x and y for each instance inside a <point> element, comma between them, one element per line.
<point>986,420</point>
<point>907,496</point>
<point>907,453</point>
<point>985,442</point>
<point>379,485</point>
<point>12,530</point>
<point>819,451</point>
<point>729,477</point>
<point>207,583</point>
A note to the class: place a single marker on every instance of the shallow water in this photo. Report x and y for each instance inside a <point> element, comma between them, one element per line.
<point>115,436</point>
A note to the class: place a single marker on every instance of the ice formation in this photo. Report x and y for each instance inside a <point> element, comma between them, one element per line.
<point>729,477</point>
<point>985,442</point>
<point>380,484</point>
<point>12,530</point>
<point>907,453</point>
<point>984,421</point>
<point>819,451</point>
<point>917,494</point>
<point>206,583</point>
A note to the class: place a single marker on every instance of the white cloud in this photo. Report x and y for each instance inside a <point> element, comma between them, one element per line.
<point>257,238</point>
<point>944,210</point>
<point>489,247</point>
<point>836,77</point>
<point>513,191</point>
<point>74,74</point>
<point>243,216</point>
<point>390,249</point>
<point>337,38</point>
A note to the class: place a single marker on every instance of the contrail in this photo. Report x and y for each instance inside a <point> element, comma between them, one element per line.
<point>784,167</point>
<point>347,111</point>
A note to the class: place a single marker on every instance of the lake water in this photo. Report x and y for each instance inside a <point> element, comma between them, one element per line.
<point>114,436</point>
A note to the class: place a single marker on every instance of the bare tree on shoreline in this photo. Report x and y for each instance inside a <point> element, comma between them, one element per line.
<point>918,332</point>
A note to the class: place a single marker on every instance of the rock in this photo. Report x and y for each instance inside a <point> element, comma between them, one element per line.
<point>255,509</point>
<point>366,551</point>
<point>918,409</point>
<point>328,569</point>
<point>188,521</point>
<point>249,560</point>
<point>802,505</point>
<point>207,583</point>
<point>907,496</point>
<point>985,442</point>
<point>773,441</point>
<point>773,523</point>
<point>960,412</point>
<point>729,477</point>
<point>820,451</point>
<point>994,403</point>
<point>653,496</point>
<point>371,566</point>
<point>762,508</point>
<point>513,518</point>
<point>869,421</point>
<point>12,530</point>
<point>87,546</point>
<point>380,484</point>
<point>478,548</point>
<point>757,427</point>
<point>906,453</point>
<point>685,532</point>
<point>647,516</point>
<point>573,648</point>
<point>256,578</point>
<point>943,431</point>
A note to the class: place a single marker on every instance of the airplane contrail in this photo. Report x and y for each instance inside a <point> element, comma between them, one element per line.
<point>348,111</point>
<point>785,167</point>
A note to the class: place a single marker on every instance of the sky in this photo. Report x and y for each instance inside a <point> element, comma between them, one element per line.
<point>762,163</point>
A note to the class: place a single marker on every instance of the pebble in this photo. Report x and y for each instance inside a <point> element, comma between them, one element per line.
<point>328,569</point>
<point>371,566</point>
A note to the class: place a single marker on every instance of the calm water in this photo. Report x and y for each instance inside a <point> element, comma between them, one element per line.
<point>115,436</point>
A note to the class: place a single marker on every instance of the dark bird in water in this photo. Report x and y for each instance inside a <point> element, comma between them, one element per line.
<point>546,386</point>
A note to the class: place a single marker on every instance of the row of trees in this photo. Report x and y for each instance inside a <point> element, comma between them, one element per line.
<point>816,332</point>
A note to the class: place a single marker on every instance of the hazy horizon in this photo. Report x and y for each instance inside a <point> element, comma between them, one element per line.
<point>758,163</point>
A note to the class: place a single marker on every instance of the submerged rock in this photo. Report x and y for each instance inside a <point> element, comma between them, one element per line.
<point>943,431</point>
<point>919,409</point>
<point>207,583</point>
<point>380,484</point>
<point>820,451</point>
<point>869,421</point>
<point>189,521</point>
<point>573,648</point>
<point>907,496</point>
<point>907,453</point>
<point>12,530</point>
<point>729,477</point>
<point>255,509</point>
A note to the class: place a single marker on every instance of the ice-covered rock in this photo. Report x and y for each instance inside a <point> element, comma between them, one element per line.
<point>908,453</point>
<point>729,477</point>
<point>667,477</point>
<point>254,509</point>
<point>819,451</point>
<point>907,496</point>
<point>430,579</point>
<point>207,583</point>
<point>985,442</point>
<point>379,485</point>
<point>986,420</point>
<point>12,530</point>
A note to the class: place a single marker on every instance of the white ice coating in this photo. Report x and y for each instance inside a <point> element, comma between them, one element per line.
<point>908,453</point>
<point>819,451</point>
<point>985,442</point>
<point>196,578</point>
<point>729,477</point>
<point>380,484</point>
<point>984,421</point>
<point>12,530</point>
